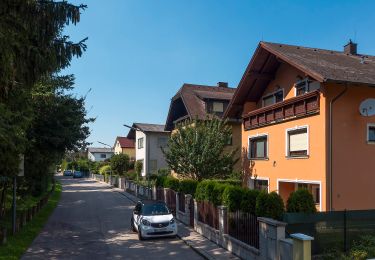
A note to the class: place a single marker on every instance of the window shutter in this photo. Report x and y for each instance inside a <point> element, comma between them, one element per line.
<point>298,141</point>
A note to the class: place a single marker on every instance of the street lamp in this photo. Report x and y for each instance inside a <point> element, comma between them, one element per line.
<point>147,157</point>
<point>110,171</point>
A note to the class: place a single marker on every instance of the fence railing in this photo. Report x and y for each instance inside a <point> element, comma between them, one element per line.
<point>170,200</point>
<point>208,214</point>
<point>244,227</point>
<point>181,202</point>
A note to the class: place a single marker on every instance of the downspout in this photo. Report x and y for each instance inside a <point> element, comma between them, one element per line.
<point>331,144</point>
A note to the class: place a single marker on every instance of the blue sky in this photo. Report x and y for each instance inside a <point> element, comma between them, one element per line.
<point>141,52</point>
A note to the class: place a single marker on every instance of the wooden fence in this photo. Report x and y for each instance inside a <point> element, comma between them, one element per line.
<point>208,214</point>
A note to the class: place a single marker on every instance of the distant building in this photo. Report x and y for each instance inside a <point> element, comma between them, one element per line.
<point>149,138</point>
<point>125,145</point>
<point>99,154</point>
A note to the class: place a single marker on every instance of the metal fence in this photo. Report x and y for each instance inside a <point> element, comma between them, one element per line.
<point>337,229</point>
<point>208,214</point>
<point>244,227</point>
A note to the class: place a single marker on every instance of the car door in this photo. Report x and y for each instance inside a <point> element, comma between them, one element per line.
<point>137,213</point>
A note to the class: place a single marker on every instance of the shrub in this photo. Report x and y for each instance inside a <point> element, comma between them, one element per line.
<point>138,166</point>
<point>188,186</point>
<point>208,195</point>
<point>120,163</point>
<point>269,205</point>
<point>232,197</point>
<point>301,201</point>
<point>171,183</point>
<point>200,192</point>
<point>159,182</point>
<point>217,193</point>
<point>248,202</point>
<point>104,169</point>
<point>163,172</point>
<point>131,175</point>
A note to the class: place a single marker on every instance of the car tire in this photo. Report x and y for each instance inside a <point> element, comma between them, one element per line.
<point>132,225</point>
<point>140,237</point>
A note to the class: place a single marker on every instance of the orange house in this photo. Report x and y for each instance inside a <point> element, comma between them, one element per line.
<point>308,121</point>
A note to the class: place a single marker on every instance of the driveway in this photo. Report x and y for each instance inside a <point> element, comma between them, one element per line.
<point>93,222</point>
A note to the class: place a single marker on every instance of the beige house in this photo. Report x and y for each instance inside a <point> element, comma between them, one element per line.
<point>124,145</point>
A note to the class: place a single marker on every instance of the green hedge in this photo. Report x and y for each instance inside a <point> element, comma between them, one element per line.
<point>232,197</point>
<point>248,200</point>
<point>188,186</point>
<point>171,183</point>
<point>301,201</point>
<point>269,205</point>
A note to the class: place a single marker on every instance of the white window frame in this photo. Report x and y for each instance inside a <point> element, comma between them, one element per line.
<point>217,102</point>
<point>287,142</point>
<point>368,133</point>
<point>143,143</point>
<point>249,148</point>
<point>252,178</point>
<point>296,181</point>
<point>273,94</point>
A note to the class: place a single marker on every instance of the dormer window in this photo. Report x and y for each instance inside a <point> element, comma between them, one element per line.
<point>302,87</point>
<point>217,107</point>
<point>277,96</point>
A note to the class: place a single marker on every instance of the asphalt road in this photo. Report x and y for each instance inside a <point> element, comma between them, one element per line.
<point>93,222</point>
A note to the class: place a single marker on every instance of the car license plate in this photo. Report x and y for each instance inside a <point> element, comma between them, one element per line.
<point>160,229</point>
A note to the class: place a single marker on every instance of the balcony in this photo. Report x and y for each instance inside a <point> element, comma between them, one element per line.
<point>293,108</point>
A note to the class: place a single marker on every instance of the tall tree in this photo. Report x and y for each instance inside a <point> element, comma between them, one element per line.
<point>197,149</point>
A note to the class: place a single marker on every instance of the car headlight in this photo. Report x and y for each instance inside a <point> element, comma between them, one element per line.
<point>145,222</point>
<point>172,221</point>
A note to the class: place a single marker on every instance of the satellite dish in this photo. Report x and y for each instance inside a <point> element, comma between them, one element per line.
<point>367,107</point>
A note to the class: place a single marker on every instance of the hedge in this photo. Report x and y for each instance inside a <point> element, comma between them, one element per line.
<point>248,200</point>
<point>232,197</point>
<point>171,183</point>
<point>188,186</point>
<point>269,205</point>
<point>301,201</point>
<point>104,169</point>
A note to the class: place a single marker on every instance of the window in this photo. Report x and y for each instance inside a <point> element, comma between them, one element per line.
<point>259,184</point>
<point>302,87</point>
<point>258,147</point>
<point>103,155</point>
<point>218,107</point>
<point>371,133</point>
<point>297,142</point>
<point>273,98</point>
<point>153,165</point>
<point>162,142</point>
<point>140,143</point>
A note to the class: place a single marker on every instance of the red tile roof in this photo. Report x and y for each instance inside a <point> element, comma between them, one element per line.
<point>125,142</point>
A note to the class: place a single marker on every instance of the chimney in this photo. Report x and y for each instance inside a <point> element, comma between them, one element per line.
<point>350,48</point>
<point>222,84</point>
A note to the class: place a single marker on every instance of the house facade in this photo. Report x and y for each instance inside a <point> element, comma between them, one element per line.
<point>123,145</point>
<point>302,126</point>
<point>149,139</point>
<point>200,101</point>
<point>99,154</point>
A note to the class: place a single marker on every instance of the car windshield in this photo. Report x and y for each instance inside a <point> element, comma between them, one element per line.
<point>154,209</point>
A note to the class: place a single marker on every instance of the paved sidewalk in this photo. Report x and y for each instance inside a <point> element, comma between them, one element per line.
<point>196,241</point>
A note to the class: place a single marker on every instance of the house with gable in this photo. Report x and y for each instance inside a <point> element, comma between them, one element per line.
<point>308,121</point>
<point>199,101</point>
<point>124,145</point>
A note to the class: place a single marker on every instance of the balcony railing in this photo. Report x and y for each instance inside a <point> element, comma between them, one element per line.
<point>300,106</point>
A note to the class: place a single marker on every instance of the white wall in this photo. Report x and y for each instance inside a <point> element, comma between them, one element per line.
<point>155,153</point>
<point>97,158</point>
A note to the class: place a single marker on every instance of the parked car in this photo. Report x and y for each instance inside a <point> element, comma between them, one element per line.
<point>77,174</point>
<point>68,173</point>
<point>153,219</point>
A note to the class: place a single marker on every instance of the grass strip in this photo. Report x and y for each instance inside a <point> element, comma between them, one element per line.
<point>20,242</point>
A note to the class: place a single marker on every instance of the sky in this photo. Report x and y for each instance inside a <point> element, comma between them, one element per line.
<point>141,52</point>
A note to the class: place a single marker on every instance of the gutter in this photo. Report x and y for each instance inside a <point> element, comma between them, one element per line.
<point>331,144</point>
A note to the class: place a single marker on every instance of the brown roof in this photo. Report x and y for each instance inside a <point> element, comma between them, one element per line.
<point>190,99</point>
<point>322,65</point>
<point>125,142</point>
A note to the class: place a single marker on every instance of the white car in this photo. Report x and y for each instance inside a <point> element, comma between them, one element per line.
<point>153,219</point>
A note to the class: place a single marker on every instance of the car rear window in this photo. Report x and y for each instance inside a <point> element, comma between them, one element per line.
<point>154,209</point>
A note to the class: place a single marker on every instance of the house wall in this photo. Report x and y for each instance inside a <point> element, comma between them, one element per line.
<point>236,144</point>
<point>96,156</point>
<point>278,166</point>
<point>156,152</point>
<point>140,154</point>
<point>117,148</point>
<point>353,158</point>
<point>130,152</point>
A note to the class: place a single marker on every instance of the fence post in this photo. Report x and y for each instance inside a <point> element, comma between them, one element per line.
<point>195,214</point>
<point>154,192</point>
<point>223,219</point>
<point>165,191</point>
<point>270,232</point>
<point>136,189</point>
<point>177,194</point>
<point>301,246</point>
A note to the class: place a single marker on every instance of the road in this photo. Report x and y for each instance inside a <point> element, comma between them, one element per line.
<point>92,221</point>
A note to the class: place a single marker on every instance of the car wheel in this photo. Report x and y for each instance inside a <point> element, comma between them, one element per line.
<point>132,225</point>
<point>140,237</point>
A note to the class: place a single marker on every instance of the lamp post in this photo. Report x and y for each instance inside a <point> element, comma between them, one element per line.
<point>110,171</point>
<point>147,157</point>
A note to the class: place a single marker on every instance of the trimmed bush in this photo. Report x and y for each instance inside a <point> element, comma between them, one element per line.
<point>131,175</point>
<point>188,186</point>
<point>301,201</point>
<point>269,205</point>
<point>159,182</point>
<point>104,169</point>
<point>200,193</point>
<point>233,182</point>
<point>232,197</point>
<point>217,193</point>
<point>249,200</point>
<point>171,183</point>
